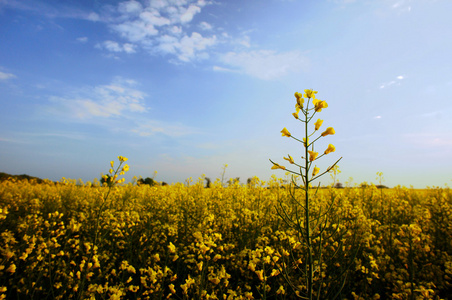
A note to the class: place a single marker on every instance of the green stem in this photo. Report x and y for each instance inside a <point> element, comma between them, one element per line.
<point>309,264</point>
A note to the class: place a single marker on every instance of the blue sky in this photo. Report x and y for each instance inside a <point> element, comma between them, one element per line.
<point>183,87</point>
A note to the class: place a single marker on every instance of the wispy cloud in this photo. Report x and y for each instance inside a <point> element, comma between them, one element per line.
<point>82,39</point>
<point>149,128</point>
<point>429,140</point>
<point>205,26</point>
<point>59,9</point>
<point>113,100</point>
<point>396,82</point>
<point>264,64</point>
<point>401,5</point>
<point>5,76</point>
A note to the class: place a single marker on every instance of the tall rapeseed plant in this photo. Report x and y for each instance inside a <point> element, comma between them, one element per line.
<point>109,182</point>
<point>311,228</point>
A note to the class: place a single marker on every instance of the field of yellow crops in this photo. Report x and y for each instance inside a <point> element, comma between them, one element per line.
<point>70,241</point>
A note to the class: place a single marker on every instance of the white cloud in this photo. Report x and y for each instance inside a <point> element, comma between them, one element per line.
<point>136,31</point>
<point>265,64</point>
<point>150,128</point>
<point>82,39</point>
<point>92,17</point>
<point>221,69</point>
<point>5,76</point>
<point>159,26</point>
<point>114,100</point>
<point>130,7</point>
<point>205,26</point>
<point>195,43</point>
<point>186,48</point>
<point>188,15</point>
<point>113,46</point>
<point>396,82</point>
<point>154,18</point>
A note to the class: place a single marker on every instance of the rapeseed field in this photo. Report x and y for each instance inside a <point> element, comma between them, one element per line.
<point>190,242</point>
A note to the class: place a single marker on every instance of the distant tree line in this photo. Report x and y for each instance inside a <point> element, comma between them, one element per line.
<point>150,181</point>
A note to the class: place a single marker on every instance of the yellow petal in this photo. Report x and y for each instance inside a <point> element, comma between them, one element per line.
<point>285,132</point>
<point>329,130</point>
<point>318,124</point>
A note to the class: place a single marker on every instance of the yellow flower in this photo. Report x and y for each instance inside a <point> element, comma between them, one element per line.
<point>122,158</point>
<point>306,142</point>
<point>125,168</point>
<point>318,124</point>
<point>330,149</point>
<point>295,114</point>
<point>110,171</point>
<point>171,287</point>
<point>329,130</point>
<point>281,290</point>
<point>172,248</point>
<point>112,163</point>
<point>260,274</point>
<point>285,132</point>
<point>319,104</point>
<point>200,265</point>
<point>276,166</point>
<point>300,101</point>
<point>309,93</point>
<point>316,171</point>
<point>290,159</point>
<point>312,155</point>
<point>11,269</point>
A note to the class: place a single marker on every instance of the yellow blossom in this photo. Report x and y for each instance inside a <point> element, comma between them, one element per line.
<point>330,149</point>
<point>172,248</point>
<point>319,104</point>
<point>329,130</point>
<point>290,159</point>
<point>281,290</point>
<point>200,265</point>
<point>260,274</point>
<point>276,166</point>
<point>300,101</point>
<point>171,287</point>
<point>122,158</point>
<point>112,163</point>
<point>11,269</point>
<point>318,124</point>
<point>310,93</point>
<point>285,132</point>
<point>295,114</point>
<point>125,168</point>
<point>316,171</point>
<point>312,155</point>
